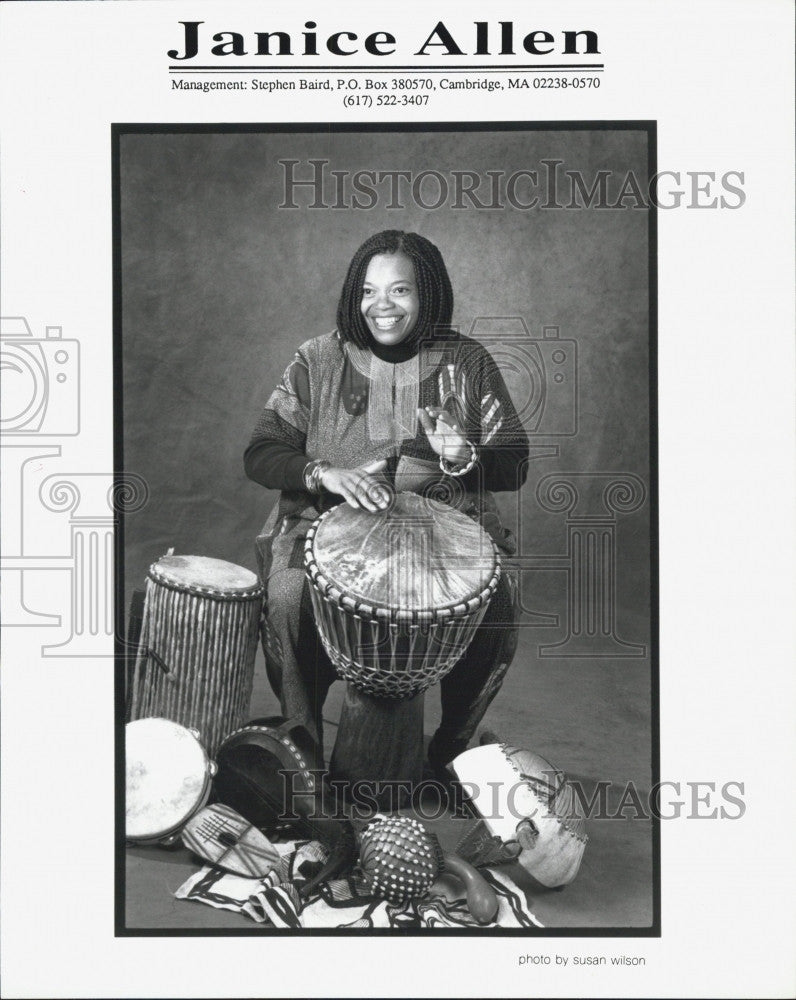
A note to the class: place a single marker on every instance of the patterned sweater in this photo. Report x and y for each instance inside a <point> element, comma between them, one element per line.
<point>349,406</point>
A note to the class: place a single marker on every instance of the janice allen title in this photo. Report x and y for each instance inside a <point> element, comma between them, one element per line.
<point>482,39</point>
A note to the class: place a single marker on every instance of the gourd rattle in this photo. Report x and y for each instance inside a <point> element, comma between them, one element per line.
<point>400,860</point>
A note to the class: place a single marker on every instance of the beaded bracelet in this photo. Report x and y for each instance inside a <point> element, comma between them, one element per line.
<point>312,474</point>
<point>458,470</point>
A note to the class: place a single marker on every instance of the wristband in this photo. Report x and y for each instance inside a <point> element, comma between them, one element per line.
<point>458,470</point>
<point>312,474</point>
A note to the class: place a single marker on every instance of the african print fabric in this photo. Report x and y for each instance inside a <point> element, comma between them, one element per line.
<point>275,901</point>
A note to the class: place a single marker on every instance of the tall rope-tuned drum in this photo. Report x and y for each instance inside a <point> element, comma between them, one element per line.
<point>195,660</point>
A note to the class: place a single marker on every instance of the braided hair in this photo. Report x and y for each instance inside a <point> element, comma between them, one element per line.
<point>433,286</point>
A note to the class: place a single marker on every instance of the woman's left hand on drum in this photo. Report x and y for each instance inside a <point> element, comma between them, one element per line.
<point>359,487</point>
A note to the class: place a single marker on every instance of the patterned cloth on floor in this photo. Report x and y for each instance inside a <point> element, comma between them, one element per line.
<point>347,902</point>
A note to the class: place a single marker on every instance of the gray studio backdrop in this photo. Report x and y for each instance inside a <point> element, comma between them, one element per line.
<point>220,285</point>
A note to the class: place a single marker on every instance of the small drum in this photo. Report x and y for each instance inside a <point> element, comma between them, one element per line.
<point>195,661</point>
<point>261,764</point>
<point>169,779</point>
<point>526,802</point>
<point>399,594</point>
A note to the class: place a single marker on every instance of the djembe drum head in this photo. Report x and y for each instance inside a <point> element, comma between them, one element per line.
<point>420,556</point>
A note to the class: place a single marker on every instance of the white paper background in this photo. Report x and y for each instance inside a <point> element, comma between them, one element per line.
<point>718,79</point>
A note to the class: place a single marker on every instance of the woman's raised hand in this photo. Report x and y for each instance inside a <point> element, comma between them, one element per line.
<point>359,487</point>
<point>444,434</point>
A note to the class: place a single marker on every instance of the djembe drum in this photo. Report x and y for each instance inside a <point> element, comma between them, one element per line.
<point>195,660</point>
<point>397,597</point>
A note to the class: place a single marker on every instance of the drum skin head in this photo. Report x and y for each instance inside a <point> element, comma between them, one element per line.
<point>417,555</point>
<point>203,572</point>
<point>167,774</point>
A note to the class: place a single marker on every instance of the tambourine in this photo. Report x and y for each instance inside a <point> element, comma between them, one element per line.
<point>168,779</point>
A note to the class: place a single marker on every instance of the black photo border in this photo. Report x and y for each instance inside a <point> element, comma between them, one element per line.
<point>121,649</point>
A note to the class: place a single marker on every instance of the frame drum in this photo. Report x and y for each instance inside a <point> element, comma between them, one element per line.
<point>168,779</point>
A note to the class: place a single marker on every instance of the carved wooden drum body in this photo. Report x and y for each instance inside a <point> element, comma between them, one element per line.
<point>195,661</point>
<point>399,594</point>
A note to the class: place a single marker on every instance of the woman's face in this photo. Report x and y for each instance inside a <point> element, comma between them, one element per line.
<point>390,303</point>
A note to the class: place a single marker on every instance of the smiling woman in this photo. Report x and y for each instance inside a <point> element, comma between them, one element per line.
<point>392,400</point>
<point>390,302</point>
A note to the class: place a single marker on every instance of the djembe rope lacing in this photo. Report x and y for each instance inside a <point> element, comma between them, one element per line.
<point>436,637</point>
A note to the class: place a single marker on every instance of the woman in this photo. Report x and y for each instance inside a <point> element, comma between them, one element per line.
<point>392,395</point>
